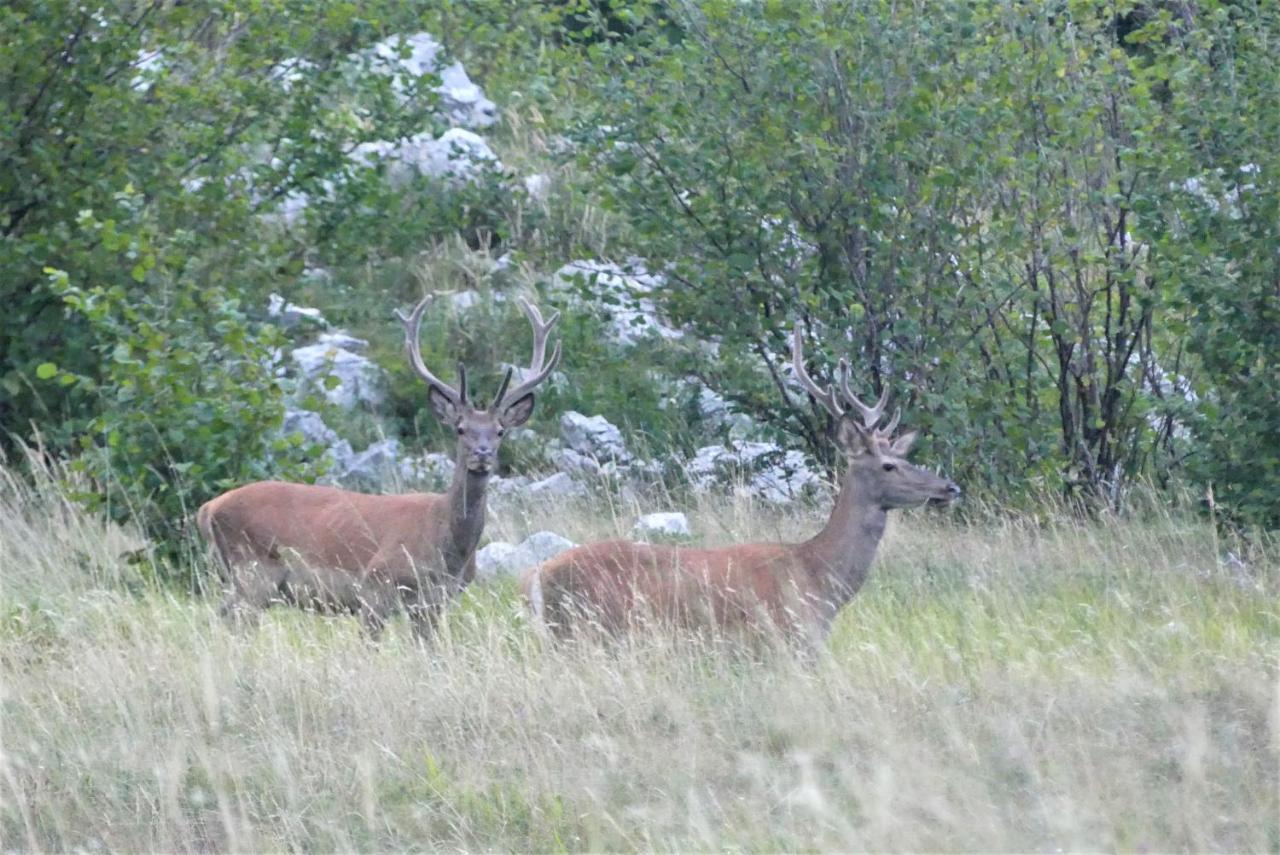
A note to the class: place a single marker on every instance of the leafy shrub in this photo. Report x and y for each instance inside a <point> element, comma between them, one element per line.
<point>187,398</point>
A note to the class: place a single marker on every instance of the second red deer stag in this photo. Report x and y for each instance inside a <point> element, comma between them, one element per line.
<point>332,549</point>
<point>795,588</point>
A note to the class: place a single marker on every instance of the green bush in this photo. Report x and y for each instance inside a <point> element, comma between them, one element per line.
<point>188,402</point>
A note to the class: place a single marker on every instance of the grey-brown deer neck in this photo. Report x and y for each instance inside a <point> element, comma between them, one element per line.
<point>841,554</point>
<point>466,506</point>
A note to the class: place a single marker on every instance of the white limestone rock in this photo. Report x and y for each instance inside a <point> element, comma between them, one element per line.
<point>360,380</point>
<point>593,436</point>
<point>375,464</point>
<point>661,525</point>
<point>342,339</point>
<point>763,469</point>
<point>458,157</point>
<point>289,315</point>
<point>315,432</point>
<point>498,560</point>
<point>433,468</point>
<point>559,485</point>
<point>623,292</point>
<point>405,57</point>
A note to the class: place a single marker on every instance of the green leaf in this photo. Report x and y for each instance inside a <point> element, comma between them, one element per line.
<point>46,370</point>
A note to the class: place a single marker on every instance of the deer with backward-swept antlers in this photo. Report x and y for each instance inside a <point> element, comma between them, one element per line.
<point>332,549</point>
<point>796,589</point>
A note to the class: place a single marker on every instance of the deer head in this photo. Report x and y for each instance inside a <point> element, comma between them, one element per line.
<point>480,431</point>
<point>876,460</point>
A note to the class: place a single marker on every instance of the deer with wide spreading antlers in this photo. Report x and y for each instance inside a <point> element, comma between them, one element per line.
<point>796,589</point>
<point>335,550</point>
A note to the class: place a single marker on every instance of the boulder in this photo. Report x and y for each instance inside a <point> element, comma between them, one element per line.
<point>504,559</point>
<point>463,301</point>
<point>149,65</point>
<point>622,292</point>
<point>360,380</point>
<point>406,57</point>
<point>433,468</point>
<point>342,339</point>
<point>288,315</point>
<point>375,464</point>
<point>493,560</point>
<point>458,157</point>
<point>315,431</point>
<point>593,437</point>
<point>538,186</point>
<point>662,525</point>
<point>575,463</point>
<point>310,425</point>
<point>503,488</point>
<point>764,469</point>
<point>557,485</point>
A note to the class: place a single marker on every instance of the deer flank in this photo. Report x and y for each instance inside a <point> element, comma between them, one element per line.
<point>794,588</point>
<point>338,550</point>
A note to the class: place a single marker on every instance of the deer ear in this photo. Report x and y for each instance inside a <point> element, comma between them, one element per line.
<point>517,413</point>
<point>903,444</point>
<point>852,438</point>
<point>443,406</point>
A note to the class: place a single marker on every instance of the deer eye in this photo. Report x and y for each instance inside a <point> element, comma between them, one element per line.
<point>461,430</point>
<point>501,431</point>
<point>889,467</point>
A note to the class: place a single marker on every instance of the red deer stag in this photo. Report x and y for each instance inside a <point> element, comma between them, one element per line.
<point>796,589</point>
<point>336,550</point>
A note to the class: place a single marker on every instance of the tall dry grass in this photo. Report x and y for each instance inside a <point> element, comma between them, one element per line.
<point>1008,684</point>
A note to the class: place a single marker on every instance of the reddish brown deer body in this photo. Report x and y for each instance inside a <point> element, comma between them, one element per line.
<point>333,549</point>
<point>794,588</point>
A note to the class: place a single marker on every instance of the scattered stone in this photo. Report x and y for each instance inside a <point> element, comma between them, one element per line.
<point>594,437</point>
<point>407,57</point>
<point>375,465</point>
<point>359,378</point>
<point>622,292</point>
<point>575,463</point>
<point>150,65</point>
<point>504,559</point>
<point>433,468</point>
<point>310,425</point>
<point>764,469</point>
<point>492,560</point>
<point>288,315</point>
<point>538,186</point>
<point>316,276</point>
<point>502,488</point>
<point>342,339</point>
<point>557,485</point>
<point>670,525</point>
<point>315,432</point>
<point>459,157</point>
<point>464,301</point>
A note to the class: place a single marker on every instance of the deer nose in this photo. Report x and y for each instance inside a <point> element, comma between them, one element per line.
<point>483,452</point>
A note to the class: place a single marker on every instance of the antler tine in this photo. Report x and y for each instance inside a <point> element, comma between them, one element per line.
<point>412,326</point>
<point>539,366</point>
<point>870,415</point>
<point>888,429</point>
<point>825,397</point>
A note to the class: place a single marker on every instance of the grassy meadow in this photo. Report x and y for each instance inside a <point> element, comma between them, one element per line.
<point>1003,682</point>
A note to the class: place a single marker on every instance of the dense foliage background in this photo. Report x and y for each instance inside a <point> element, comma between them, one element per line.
<point>1049,228</point>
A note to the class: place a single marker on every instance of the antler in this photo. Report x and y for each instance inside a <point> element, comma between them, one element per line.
<point>540,367</point>
<point>870,415</point>
<point>412,326</point>
<point>825,397</point>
